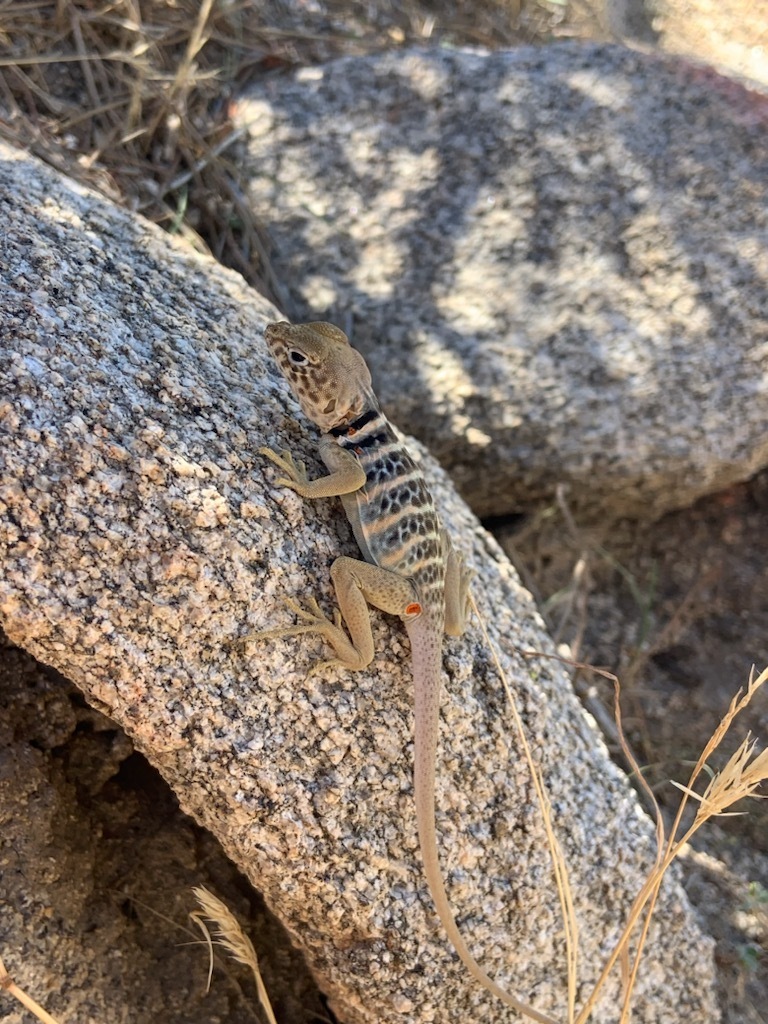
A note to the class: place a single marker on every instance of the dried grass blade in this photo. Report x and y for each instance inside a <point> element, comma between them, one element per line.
<point>231,936</point>
<point>9,985</point>
<point>560,868</point>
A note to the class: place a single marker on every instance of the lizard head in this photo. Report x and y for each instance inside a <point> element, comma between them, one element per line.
<point>328,377</point>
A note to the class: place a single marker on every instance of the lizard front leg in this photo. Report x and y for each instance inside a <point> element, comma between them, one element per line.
<point>346,474</point>
<point>357,584</point>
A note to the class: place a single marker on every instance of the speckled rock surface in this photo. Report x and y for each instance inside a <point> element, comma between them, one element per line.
<point>97,865</point>
<point>731,35</point>
<point>554,260</point>
<point>140,536</point>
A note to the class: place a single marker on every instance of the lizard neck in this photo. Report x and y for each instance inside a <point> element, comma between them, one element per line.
<point>370,411</point>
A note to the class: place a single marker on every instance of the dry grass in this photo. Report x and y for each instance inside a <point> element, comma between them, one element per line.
<point>739,779</point>
<point>742,775</point>
<point>560,868</point>
<point>231,937</point>
<point>135,98</point>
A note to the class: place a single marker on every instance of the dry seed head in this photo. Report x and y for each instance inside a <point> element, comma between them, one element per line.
<point>740,777</point>
<point>231,936</point>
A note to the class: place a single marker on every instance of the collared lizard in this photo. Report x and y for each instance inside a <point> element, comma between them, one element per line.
<point>411,568</point>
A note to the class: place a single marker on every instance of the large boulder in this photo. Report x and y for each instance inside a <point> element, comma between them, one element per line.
<point>554,260</point>
<point>140,536</point>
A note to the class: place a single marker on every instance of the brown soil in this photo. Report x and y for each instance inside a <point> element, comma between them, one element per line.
<point>97,865</point>
<point>678,610</point>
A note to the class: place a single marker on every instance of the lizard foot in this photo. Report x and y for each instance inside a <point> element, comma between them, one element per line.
<point>296,470</point>
<point>466,574</point>
<point>315,621</point>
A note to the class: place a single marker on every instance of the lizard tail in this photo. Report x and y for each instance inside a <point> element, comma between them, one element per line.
<point>427,675</point>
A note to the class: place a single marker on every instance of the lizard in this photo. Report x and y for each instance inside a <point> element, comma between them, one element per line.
<point>409,567</point>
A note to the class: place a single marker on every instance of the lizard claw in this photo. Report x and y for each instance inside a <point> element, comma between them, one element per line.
<point>296,470</point>
<point>313,613</point>
<point>320,665</point>
<point>315,621</point>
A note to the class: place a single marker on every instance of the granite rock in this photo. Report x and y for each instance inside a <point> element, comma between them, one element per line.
<point>141,535</point>
<point>554,260</point>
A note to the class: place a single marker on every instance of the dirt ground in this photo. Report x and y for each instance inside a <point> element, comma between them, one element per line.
<point>678,610</point>
<point>731,35</point>
<point>97,866</point>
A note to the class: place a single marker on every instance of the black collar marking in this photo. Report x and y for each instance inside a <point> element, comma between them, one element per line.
<point>358,424</point>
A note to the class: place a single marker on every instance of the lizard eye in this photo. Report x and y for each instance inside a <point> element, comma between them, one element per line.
<point>296,357</point>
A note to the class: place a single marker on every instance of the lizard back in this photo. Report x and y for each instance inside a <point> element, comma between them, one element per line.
<point>398,525</point>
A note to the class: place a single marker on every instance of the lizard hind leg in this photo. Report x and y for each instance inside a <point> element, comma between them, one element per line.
<point>357,584</point>
<point>458,604</point>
